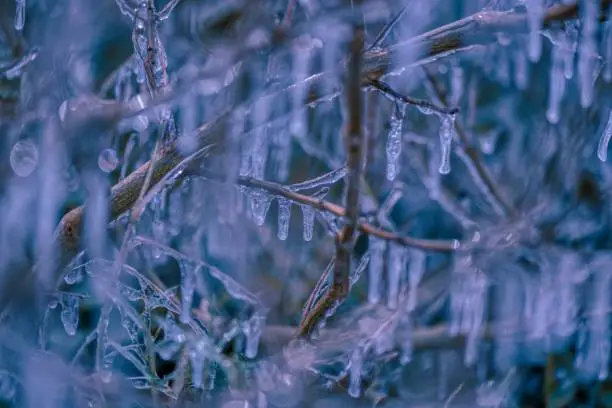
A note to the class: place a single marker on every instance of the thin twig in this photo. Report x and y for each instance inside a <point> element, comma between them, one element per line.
<point>345,239</point>
<point>422,103</point>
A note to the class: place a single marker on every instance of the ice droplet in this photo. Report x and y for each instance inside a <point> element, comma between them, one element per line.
<point>24,158</point>
<point>108,160</point>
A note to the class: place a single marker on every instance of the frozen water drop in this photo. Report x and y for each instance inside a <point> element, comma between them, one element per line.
<point>108,160</point>
<point>24,158</point>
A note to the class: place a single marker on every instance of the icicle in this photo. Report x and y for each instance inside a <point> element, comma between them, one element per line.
<point>569,41</point>
<point>284,216</point>
<point>557,85</point>
<point>301,57</point>
<point>188,281</point>
<point>253,329</point>
<point>604,141</point>
<point>70,313</point>
<point>355,371</point>
<point>447,134</point>
<point>587,50</point>
<point>377,251</point>
<point>326,179</point>
<point>394,141</point>
<point>396,266</point>
<point>521,70</point>
<point>535,14</point>
<point>260,203</point>
<point>416,272</point>
<point>20,11</point>
<point>308,216</point>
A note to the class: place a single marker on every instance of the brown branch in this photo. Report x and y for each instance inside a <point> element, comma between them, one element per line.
<point>345,239</point>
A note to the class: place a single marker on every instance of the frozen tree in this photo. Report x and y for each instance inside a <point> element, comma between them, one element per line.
<point>283,203</point>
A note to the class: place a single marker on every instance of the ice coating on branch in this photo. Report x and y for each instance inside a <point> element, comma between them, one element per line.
<point>604,141</point>
<point>394,140</point>
<point>324,180</point>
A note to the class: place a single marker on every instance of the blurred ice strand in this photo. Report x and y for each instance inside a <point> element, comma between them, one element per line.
<point>468,299</point>
<point>396,267</point>
<point>587,50</point>
<point>457,83</point>
<point>416,272</point>
<point>188,279</point>
<point>535,15</point>
<point>70,313</point>
<point>253,329</point>
<point>8,387</point>
<point>300,61</point>
<point>394,140</point>
<point>375,270</point>
<point>447,134</point>
<point>20,10</point>
<point>284,216</point>
<point>14,69</point>
<point>593,349</point>
<point>24,158</point>
<point>557,84</point>
<point>521,70</point>
<point>570,44</point>
<point>607,48</point>
<point>355,371</point>
<point>604,141</point>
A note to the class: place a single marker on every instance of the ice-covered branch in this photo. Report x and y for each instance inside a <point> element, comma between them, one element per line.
<point>480,29</point>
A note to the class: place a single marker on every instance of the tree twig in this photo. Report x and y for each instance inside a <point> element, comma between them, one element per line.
<point>345,239</point>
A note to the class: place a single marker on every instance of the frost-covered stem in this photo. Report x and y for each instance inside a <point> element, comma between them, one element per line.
<point>422,103</point>
<point>471,157</point>
<point>356,146</point>
<point>339,211</point>
<point>480,29</point>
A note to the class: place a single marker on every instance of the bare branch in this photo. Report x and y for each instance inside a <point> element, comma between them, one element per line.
<point>422,103</point>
